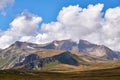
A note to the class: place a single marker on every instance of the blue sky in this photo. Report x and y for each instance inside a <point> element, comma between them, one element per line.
<point>47,9</point>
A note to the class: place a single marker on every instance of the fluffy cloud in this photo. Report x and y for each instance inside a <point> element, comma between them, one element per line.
<point>73,22</point>
<point>3,6</point>
<point>80,22</point>
<point>4,3</point>
<point>52,31</point>
<point>21,28</point>
<point>111,28</point>
<point>25,24</point>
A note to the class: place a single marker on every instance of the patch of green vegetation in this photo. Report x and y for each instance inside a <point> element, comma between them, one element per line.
<point>75,57</point>
<point>3,61</point>
<point>79,59</point>
<point>9,60</point>
<point>47,66</point>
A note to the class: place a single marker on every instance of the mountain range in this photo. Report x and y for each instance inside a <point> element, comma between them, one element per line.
<point>50,56</point>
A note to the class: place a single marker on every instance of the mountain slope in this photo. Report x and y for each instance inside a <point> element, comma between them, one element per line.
<point>15,53</point>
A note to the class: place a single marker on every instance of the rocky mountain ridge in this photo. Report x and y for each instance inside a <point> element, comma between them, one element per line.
<point>26,54</point>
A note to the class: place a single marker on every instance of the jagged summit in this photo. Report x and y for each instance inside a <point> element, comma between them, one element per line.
<point>83,46</point>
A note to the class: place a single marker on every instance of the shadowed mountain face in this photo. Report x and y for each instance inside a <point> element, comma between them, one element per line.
<point>61,45</point>
<point>31,58</point>
<point>30,61</point>
<point>84,45</point>
<point>66,58</point>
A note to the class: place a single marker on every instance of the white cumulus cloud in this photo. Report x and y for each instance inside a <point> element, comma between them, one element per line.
<point>21,28</point>
<point>5,3</point>
<point>111,28</point>
<point>25,24</point>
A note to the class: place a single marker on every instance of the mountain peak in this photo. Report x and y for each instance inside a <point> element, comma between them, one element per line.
<point>19,44</point>
<point>85,42</point>
<point>23,45</point>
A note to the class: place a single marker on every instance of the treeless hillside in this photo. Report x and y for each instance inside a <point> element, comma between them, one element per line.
<point>48,52</point>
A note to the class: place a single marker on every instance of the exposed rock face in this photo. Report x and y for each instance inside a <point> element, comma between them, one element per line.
<point>30,62</point>
<point>31,58</point>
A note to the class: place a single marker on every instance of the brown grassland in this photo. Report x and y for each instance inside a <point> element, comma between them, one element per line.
<point>103,74</point>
